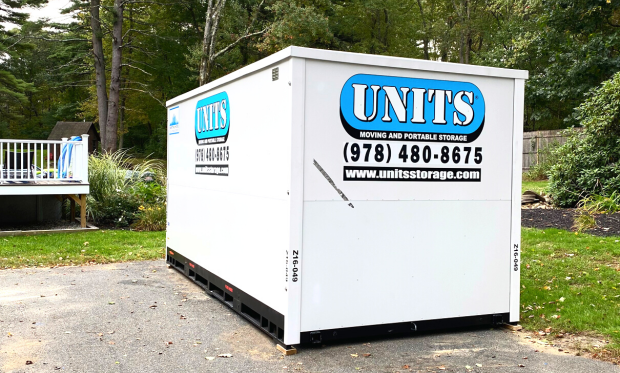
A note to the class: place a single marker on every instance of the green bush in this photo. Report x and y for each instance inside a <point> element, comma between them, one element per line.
<point>119,186</point>
<point>588,162</point>
<point>596,204</point>
<point>151,218</point>
<point>152,214</point>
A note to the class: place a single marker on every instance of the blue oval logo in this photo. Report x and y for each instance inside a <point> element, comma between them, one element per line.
<point>410,109</point>
<point>212,119</point>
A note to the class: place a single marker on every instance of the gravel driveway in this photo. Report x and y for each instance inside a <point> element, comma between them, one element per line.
<point>143,317</point>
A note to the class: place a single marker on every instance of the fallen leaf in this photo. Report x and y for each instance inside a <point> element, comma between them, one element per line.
<point>366,355</point>
<point>405,366</point>
<point>354,355</point>
<point>479,365</point>
<point>111,303</point>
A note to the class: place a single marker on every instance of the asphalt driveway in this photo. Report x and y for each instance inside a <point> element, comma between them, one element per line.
<point>144,317</point>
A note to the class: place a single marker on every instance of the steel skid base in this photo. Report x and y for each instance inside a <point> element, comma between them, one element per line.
<point>271,322</point>
<point>262,316</point>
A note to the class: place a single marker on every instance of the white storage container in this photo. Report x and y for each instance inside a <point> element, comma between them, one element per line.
<point>327,194</point>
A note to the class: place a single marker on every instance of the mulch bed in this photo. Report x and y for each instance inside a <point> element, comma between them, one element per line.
<point>607,224</point>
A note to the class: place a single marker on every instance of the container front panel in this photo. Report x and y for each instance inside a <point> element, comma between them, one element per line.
<point>407,195</point>
<point>228,182</point>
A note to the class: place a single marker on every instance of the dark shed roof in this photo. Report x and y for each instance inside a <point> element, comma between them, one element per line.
<point>68,129</point>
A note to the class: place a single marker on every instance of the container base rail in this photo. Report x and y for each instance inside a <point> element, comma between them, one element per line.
<point>271,322</point>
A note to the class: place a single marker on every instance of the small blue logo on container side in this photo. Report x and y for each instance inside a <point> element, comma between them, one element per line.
<point>410,109</point>
<point>212,119</point>
<point>173,121</point>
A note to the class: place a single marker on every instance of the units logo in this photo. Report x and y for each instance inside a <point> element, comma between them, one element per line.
<point>173,120</point>
<point>212,119</point>
<point>410,109</point>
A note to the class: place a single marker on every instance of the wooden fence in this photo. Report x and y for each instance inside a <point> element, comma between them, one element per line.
<point>534,144</point>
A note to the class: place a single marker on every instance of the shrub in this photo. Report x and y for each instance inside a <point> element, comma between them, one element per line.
<point>596,204</point>
<point>583,221</point>
<point>118,187</point>
<point>588,162</point>
<point>151,218</point>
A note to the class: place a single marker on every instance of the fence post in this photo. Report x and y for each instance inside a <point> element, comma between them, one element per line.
<point>85,159</point>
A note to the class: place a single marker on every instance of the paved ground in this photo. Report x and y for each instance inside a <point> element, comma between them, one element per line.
<point>143,317</point>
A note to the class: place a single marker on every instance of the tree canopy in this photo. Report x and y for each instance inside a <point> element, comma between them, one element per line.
<point>120,60</point>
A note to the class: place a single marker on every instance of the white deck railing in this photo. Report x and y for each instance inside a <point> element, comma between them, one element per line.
<point>44,160</point>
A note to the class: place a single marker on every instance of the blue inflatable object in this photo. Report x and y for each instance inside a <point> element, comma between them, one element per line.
<point>64,161</point>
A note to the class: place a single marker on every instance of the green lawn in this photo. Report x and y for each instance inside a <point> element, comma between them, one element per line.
<point>78,248</point>
<point>570,283</point>
<point>535,186</point>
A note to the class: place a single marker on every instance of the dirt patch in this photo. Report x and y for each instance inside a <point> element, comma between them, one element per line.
<point>16,352</point>
<point>246,340</point>
<point>607,224</point>
<point>580,344</point>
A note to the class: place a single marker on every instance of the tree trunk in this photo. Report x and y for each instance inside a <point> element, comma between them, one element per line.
<point>115,77</point>
<point>121,121</point>
<point>100,77</point>
<point>206,43</point>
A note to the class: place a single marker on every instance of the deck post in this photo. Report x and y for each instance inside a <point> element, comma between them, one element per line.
<point>72,215</point>
<point>83,210</point>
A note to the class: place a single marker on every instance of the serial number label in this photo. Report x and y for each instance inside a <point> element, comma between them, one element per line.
<point>515,254</point>
<point>212,154</point>
<point>295,263</point>
<point>406,153</point>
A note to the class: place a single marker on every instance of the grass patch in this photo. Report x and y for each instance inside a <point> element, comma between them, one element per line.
<point>107,246</point>
<point>535,186</point>
<point>571,282</point>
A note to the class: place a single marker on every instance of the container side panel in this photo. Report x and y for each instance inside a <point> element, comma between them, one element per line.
<point>408,190</point>
<point>229,178</point>
<point>515,265</point>
<point>401,268</point>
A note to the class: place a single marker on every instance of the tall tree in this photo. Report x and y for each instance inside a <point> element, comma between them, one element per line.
<point>11,88</point>
<point>100,73</point>
<point>209,42</point>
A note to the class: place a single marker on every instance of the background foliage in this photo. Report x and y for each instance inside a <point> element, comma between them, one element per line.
<point>47,73</point>
<point>588,162</point>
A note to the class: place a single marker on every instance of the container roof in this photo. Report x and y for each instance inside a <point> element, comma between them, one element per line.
<point>358,59</point>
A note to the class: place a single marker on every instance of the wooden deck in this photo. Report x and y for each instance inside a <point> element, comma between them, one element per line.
<point>39,182</point>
